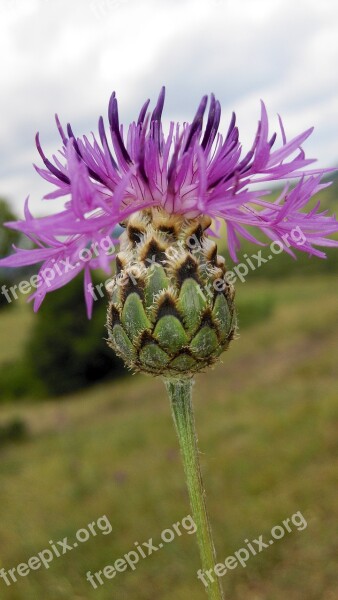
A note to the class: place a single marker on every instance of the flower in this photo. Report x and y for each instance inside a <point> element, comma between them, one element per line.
<point>191,171</point>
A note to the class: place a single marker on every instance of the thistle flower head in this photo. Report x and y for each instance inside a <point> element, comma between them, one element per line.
<point>171,310</point>
<point>191,171</point>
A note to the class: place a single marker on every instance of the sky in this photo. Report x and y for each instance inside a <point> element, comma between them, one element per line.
<point>67,56</point>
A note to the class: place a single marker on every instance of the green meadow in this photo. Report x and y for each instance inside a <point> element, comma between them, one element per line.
<point>267,422</point>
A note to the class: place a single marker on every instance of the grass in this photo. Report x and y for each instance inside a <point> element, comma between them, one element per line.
<point>15,328</point>
<point>267,421</point>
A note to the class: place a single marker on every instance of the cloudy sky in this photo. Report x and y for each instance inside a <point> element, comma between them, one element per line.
<point>67,56</point>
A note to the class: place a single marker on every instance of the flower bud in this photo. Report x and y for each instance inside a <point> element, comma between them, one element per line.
<point>171,310</point>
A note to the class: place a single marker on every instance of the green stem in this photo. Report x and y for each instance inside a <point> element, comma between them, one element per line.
<point>180,393</point>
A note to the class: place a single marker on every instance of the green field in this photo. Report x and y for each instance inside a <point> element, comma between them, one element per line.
<point>267,422</point>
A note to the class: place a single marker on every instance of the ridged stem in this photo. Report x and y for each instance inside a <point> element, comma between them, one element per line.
<point>180,394</point>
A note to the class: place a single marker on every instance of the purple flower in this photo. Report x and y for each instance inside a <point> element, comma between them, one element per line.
<point>193,170</point>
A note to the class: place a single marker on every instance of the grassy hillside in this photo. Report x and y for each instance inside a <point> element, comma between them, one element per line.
<point>267,422</point>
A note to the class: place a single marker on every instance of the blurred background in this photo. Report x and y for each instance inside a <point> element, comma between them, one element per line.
<point>79,436</point>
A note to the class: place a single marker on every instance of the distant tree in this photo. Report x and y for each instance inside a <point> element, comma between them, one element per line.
<point>8,237</point>
<point>67,351</point>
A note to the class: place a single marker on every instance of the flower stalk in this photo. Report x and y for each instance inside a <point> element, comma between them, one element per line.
<point>180,395</point>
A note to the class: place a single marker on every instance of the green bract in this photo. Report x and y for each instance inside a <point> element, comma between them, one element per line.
<point>171,309</point>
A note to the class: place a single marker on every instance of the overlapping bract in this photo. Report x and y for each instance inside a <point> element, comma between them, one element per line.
<point>192,170</point>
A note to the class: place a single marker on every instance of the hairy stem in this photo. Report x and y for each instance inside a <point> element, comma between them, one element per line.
<point>180,394</point>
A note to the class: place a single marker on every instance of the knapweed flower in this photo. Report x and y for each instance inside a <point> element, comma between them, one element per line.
<point>171,307</point>
<point>166,190</point>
